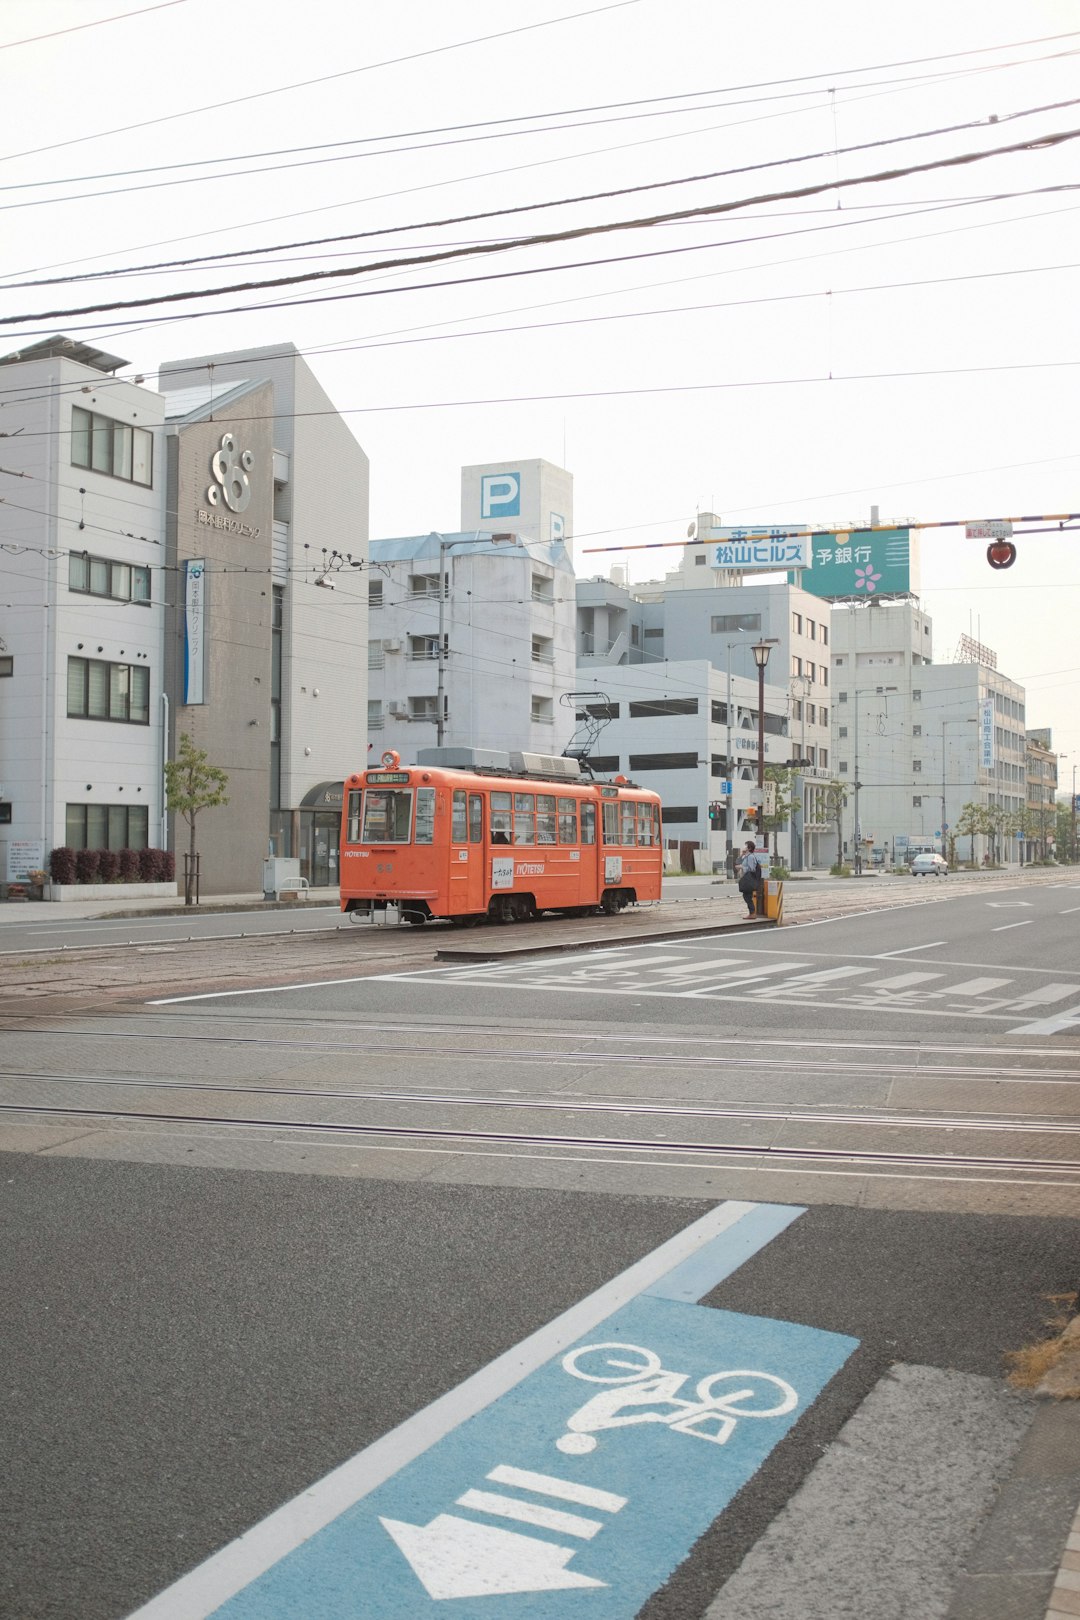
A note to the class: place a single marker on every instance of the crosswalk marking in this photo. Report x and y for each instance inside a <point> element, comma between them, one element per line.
<point>903,981</point>
<point>976,987</point>
<point>694,970</point>
<point>807,981</point>
<point>1047,992</point>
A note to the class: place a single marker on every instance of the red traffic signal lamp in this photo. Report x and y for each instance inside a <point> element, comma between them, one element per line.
<point>1001,554</point>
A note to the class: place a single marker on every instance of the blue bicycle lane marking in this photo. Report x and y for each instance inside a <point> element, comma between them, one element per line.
<point>577,1490</point>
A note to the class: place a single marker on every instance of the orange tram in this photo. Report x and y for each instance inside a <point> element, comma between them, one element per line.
<point>474,842</point>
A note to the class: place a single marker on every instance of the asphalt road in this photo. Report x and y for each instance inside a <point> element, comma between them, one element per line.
<point>249,1233</point>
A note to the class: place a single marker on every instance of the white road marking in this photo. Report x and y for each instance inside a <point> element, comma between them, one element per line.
<point>1048,992</point>
<point>903,980</point>
<point>1070,911</point>
<point>977,987</point>
<point>693,970</point>
<point>1001,928</point>
<point>1056,1024</point>
<point>907,949</point>
<point>807,981</point>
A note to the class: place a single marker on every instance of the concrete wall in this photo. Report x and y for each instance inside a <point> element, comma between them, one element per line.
<point>542,508</point>
<point>233,724</point>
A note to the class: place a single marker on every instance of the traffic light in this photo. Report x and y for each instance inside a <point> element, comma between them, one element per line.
<point>716,810</point>
<point>1001,554</point>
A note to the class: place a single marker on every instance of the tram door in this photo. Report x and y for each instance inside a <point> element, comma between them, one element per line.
<point>466,851</point>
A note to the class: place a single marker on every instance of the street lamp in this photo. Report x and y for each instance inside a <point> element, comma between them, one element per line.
<point>761,650</point>
<point>805,687</point>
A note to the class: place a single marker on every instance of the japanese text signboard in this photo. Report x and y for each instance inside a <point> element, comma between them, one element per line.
<point>865,563</point>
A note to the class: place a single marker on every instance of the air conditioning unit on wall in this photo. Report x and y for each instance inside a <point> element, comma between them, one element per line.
<point>391,646</point>
<point>398,710</point>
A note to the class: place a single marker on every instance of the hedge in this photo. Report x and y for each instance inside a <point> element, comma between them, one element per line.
<point>111,865</point>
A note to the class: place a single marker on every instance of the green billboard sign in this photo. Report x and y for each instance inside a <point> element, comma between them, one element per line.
<point>861,564</point>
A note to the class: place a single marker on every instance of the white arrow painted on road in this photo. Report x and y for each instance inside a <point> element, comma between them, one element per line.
<point>454,1558</point>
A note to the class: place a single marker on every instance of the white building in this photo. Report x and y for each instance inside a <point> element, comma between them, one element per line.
<point>910,732</point>
<point>534,499</point>
<point>665,726</point>
<point>82,621</point>
<point>285,609</point>
<point>162,556</point>
<point>715,627</point>
<point>504,621</point>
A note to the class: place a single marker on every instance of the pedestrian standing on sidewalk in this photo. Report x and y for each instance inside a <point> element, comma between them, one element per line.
<point>750,878</point>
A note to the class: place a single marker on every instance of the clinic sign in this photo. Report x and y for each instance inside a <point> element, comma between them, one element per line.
<point>195,631</point>
<point>862,564</point>
<point>986,734</point>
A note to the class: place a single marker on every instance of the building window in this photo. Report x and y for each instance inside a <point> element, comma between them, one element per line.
<point>648,711</point>
<point>543,650</point>
<point>811,629</point>
<point>838,661</point>
<point>823,758</point>
<point>699,561</point>
<point>7,665</point>
<point>916,695</point>
<point>796,623</point>
<point>375,718</point>
<point>424,585</point>
<point>543,588</point>
<point>726,624</point>
<point>916,764</point>
<point>843,767</point>
<point>916,731</point>
<point>811,715</point>
<point>599,711</point>
<point>100,691</point>
<point>916,801</point>
<point>541,712</point>
<point>664,762</point>
<point>654,634</point>
<point>113,448</point>
<point>822,715</point>
<point>841,731</point>
<point>811,671</point>
<point>676,814</point>
<point>824,635</point>
<point>796,666</point>
<point>97,576</point>
<point>605,764</point>
<point>823,675</point>
<point>375,593</point>
<point>841,697</point>
<point>796,709</point>
<point>107,826</point>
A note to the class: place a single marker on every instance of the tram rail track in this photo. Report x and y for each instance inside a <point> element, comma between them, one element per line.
<point>738,1152</point>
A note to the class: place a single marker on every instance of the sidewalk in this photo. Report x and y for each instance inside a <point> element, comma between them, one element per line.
<point>30,911</point>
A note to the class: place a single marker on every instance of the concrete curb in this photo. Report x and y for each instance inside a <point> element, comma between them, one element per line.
<point>1021,1561</point>
<point>495,954</point>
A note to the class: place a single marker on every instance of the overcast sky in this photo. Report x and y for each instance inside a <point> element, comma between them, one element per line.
<point>909,342</point>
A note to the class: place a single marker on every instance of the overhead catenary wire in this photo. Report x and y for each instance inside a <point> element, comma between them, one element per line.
<point>568,234</point>
<point>99,22</point>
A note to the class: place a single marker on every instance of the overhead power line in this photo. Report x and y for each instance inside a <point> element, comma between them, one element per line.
<point>549,238</point>
<point>326,78</point>
<point>121,16</point>
<point>558,202</point>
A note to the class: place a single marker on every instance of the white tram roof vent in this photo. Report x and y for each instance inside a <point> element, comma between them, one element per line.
<point>465,759</point>
<point>546,765</point>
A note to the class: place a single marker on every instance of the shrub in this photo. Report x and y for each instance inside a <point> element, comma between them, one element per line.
<point>86,865</point>
<point>62,865</point>
<point>147,864</point>
<point>108,865</point>
<point>129,866</point>
<point>168,865</point>
<point>777,870</point>
<point>839,871</point>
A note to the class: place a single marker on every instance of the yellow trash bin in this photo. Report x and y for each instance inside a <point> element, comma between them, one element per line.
<point>774,899</point>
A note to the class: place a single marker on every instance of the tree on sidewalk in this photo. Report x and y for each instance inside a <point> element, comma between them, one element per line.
<point>779,801</point>
<point>834,798</point>
<point>193,785</point>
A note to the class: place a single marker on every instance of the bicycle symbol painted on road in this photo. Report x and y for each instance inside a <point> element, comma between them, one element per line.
<point>642,1391</point>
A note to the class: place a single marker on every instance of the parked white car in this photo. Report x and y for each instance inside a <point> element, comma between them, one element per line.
<point>928,865</point>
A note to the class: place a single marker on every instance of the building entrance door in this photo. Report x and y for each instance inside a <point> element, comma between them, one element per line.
<point>325,832</point>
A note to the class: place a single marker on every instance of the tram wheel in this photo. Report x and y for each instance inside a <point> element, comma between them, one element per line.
<point>609,903</point>
<point>501,909</point>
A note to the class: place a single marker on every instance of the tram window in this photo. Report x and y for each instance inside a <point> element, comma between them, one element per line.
<point>644,823</point>
<point>588,823</point>
<point>387,813</point>
<point>524,818</point>
<point>545,818</point>
<point>568,821</point>
<point>476,818</point>
<point>611,822</point>
<point>458,824</point>
<point>425,815</point>
<point>500,818</point>
<point>654,816</point>
<point>627,808</point>
<point>353,834</point>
